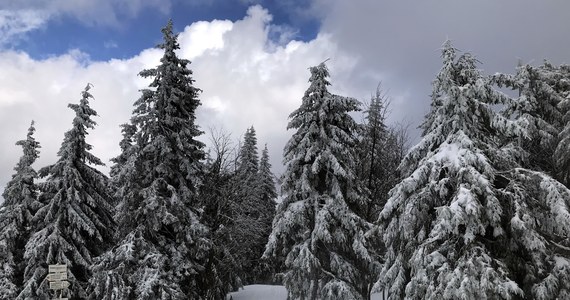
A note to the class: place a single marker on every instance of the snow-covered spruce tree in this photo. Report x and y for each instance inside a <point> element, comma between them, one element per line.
<point>561,154</point>
<point>542,91</point>
<point>267,195</point>
<point>540,225</point>
<point>465,223</point>
<point>317,227</point>
<point>75,221</point>
<point>267,182</point>
<point>163,246</point>
<point>20,204</point>
<point>250,228</point>
<point>121,162</point>
<point>123,165</point>
<point>248,161</point>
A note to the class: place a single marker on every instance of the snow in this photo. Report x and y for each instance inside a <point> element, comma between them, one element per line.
<point>259,291</point>
<point>269,292</point>
<point>561,261</point>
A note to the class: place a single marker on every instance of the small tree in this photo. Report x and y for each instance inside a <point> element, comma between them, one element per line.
<point>380,150</point>
<point>218,194</point>
<point>317,226</point>
<point>20,204</point>
<point>75,221</point>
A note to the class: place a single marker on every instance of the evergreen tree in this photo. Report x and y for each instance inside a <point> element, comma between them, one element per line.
<point>379,153</point>
<point>248,162</point>
<point>542,92</point>
<point>267,195</point>
<point>267,182</point>
<point>123,166</point>
<point>466,222</point>
<point>20,204</point>
<point>163,246</point>
<point>561,153</point>
<point>121,162</point>
<point>317,226</point>
<point>247,229</point>
<point>75,221</point>
<point>539,204</point>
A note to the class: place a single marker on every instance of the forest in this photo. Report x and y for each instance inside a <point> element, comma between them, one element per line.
<point>479,208</point>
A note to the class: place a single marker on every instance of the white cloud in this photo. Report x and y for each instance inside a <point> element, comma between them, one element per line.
<point>244,81</point>
<point>14,23</point>
<point>110,44</point>
<point>203,36</point>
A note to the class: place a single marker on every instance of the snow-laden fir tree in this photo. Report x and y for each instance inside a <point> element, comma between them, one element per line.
<point>466,223</point>
<point>543,92</point>
<point>317,227</point>
<point>267,196</point>
<point>126,144</point>
<point>163,246</point>
<point>123,165</point>
<point>75,222</point>
<point>16,213</point>
<point>540,260</point>
<point>252,222</point>
<point>267,182</point>
<point>561,154</point>
<point>248,160</point>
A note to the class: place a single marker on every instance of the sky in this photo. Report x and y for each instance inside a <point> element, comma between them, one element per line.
<point>249,57</point>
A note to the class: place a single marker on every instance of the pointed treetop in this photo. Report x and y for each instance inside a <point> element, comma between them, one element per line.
<point>169,37</point>
<point>248,164</point>
<point>29,146</point>
<point>24,170</point>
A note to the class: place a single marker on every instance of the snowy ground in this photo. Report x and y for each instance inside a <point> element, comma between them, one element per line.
<point>268,292</point>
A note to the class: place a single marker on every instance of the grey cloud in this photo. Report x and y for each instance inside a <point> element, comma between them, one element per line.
<point>90,12</point>
<point>398,42</point>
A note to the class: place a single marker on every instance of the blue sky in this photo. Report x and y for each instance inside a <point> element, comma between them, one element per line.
<point>249,57</point>
<point>133,33</point>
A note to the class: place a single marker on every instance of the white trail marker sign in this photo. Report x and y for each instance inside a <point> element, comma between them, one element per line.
<point>57,278</point>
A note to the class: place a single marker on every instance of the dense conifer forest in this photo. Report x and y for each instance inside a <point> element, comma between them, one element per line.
<point>479,208</point>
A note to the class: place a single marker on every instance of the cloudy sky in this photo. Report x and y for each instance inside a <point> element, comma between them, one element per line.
<point>250,58</point>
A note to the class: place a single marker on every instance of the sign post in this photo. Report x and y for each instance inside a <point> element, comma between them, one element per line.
<point>57,278</point>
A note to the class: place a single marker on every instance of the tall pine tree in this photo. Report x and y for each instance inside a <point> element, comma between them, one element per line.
<point>16,213</point>
<point>163,245</point>
<point>267,182</point>
<point>248,228</point>
<point>539,259</point>
<point>317,226</point>
<point>541,92</point>
<point>267,269</point>
<point>467,222</point>
<point>75,223</point>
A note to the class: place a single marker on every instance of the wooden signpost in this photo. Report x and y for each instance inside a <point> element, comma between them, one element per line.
<point>57,279</point>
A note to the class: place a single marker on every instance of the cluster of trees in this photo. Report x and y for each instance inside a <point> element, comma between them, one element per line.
<point>171,221</point>
<point>478,209</point>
